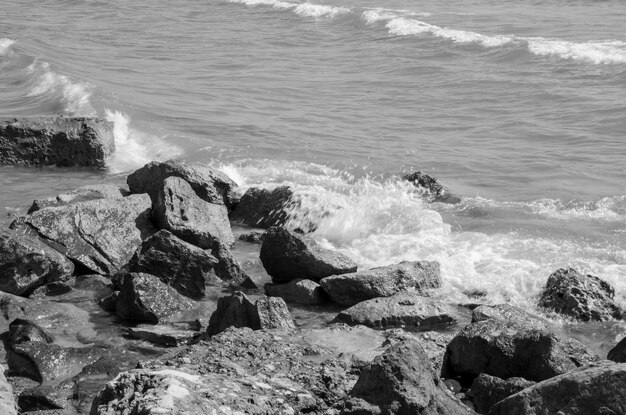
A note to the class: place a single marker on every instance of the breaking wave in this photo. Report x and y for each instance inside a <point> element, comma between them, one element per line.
<point>5,45</point>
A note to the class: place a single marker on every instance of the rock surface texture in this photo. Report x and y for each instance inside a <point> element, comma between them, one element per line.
<point>489,390</point>
<point>82,194</point>
<point>507,312</point>
<point>298,291</point>
<point>435,190</point>
<point>263,208</point>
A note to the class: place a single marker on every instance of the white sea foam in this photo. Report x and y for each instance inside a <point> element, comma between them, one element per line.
<point>5,45</point>
<point>319,10</point>
<point>610,52</point>
<point>73,94</point>
<point>274,3</point>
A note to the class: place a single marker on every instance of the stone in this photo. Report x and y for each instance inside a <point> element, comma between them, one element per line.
<point>507,312</point>
<point>99,236</point>
<point>27,263</point>
<point>435,191</point>
<point>23,331</point>
<point>144,297</point>
<point>44,398</point>
<point>287,255</point>
<point>57,140</point>
<point>406,310</point>
<point>228,268</point>
<point>352,288</point>
<point>401,381</point>
<point>82,194</point>
<point>272,313</point>
<point>253,237</point>
<point>209,184</point>
<point>178,209</point>
<point>263,208</point>
<point>582,297</point>
<point>618,353</point>
<point>298,291</point>
<point>164,334</point>
<point>597,389</point>
<point>508,349</point>
<point>488,390</point>
<point>7,402</point>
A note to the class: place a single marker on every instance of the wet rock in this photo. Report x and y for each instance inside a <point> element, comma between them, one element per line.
<point>178,209</point>
<point>210,185</point>
<point>489,390</point>
<point>507,312</point>
<point>60,141</point>
<point>144,297</point>
<point>298,291</point>
<point>287,255</point>
<point>27,263</point>
<point>100,235</point>
<point>401,381</point>
<point>263,208</point>
<point>109,302</point>
<point>44,398</point>
<point>164,334</point>
<point>52,289</point>
<point>350,289</point>
<point>591,390</point>
<point>583,297</point>
<point>252,237</point>
<point>618,353</point>
<point>238,311</point>
<point>508,349</point>
<point>82,194</point>
<point>436,191</point>
<point>228,268</point>
<point>7,402</point>
<point>403,309</point>
<point>23,331</point>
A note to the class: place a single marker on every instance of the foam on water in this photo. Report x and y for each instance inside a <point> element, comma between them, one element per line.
<point>301,9</point>
<point>5,45</point>
<point>610,52</point>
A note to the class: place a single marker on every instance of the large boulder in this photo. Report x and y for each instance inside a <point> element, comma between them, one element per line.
<point>434,190</point>
<point>210,185</point>
<point>62,141</point>
<point>27,263</point>
<point>507,312</point>
<point>82,194</point>
<point>178,209</point>
<point>228,269</point>
<point>401,381</point>
<point>598,389</point>
<point>287,255</point>
<point>509,349</point>
<point>406,310</point>
<point>263,208</point>
<point>350,289</point>
<point>23,331</point>
<point>488,390</point>
<point>583,297</point>
<point>297,291</point>
<point>100,236</point>
<point>7,401</point>
<point>618,353</point>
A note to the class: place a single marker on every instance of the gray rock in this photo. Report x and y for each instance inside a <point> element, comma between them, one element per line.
<point>228,268</point>
<point>435,191</point>
<point>263,208</point>
<point>350,289</point>
<point>618,353</point>
<point>298,291</point>
<point>99,235</point>
<point>583,297</point>
<point>46,397</point>
<point>287,255</point>
<point>508,349</point>
<point>253,237</point>
<point>489,390</point>
<point>178,209</point>
<point>62,141</point>
<point>507,312</point>
<point>597,389</point>
<point>164,334</point>
<point>210,185</point>
<point>7,402</point>
<point>82,194</point>
<point>27,263</point>
<point>144,297</point>
<point>23,331</point>
<point>407,310</point>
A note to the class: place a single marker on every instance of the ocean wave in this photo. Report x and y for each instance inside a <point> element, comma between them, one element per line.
<point>5,45</point>
<point>611,52</point>
<point>318,10</point>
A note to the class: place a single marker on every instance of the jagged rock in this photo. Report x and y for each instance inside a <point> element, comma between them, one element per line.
<point>618,353</point>
<point>489,390</point>
<point>253,237</point>
<point>27,263</point>
<point>82,194</point>
<point>507,312</point>
<point>263,208</point>
<point>401,381</point>
<point>144,297</point>
<point>99,235</point>
<point>287,255</point>
<point>583,297</point>
<point>210,185</point>
<point>298,291</point>
<point>164,334</point>
<point>403,309</point>
<point>597,389</point>
<point>178,209</point>
<point>228,268</point>
<point>237,311</point>
<point>436,191</point>
<point>62,141</point>
<point>46,397</point>
<point>508,349</point>
<point>350,289</point>
<point>7,402</point>
<point>22,331</point>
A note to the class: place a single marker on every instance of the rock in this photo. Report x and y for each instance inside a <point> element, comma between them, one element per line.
<point>583,297</point>
<point>252,237</point>
<point>592,390</point>
<point>287,255</point>
<point>618,353</point>
<point>99,235</point>
<point>210,185</point>
<point>489,390</point>
<point>403,309</point>
<point>183,266</point>
<point>350,289</point>
<point>263,208</point>
<point>401,381</point>
<point>62,141</point>
<point>298,291</point>
<point>27,263</point>
<point>507,312</point>
<point>228,268</point>
<point>508,349</point>
<point>23,331</point>
<point>238,311</point>
<point>44,398</point>
<point>144,297</point>
<point>7,402</point>
<point>82,194</point>
<point>165,335</point>
<point>178,209</point>
<point>436,191</point>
